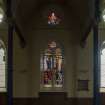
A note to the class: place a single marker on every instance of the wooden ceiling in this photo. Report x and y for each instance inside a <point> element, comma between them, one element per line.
<point>78,12</point>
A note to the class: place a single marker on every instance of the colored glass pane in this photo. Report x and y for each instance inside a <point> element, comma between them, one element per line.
<point>52,66</point>
<point>53,19</point>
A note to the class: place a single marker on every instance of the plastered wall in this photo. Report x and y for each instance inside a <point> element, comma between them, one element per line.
<point>26,73</point>
<point>27,62</point>
<point>85,66</point>
<point>78,62</point>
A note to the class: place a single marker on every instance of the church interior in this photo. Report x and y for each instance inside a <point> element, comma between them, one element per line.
<point>52,52</point>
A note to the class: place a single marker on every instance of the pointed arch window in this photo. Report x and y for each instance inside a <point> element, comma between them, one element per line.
<point>52,66</point>
<point>2,68</point>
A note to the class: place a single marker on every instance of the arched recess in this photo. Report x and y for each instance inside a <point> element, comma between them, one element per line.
<point>52,66</point>
<point>3,71</point>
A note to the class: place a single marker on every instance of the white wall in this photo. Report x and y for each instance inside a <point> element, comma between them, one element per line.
<point>27,84</point>
<point>85,66</point>
<point>78,62</point>
<point>27,61</point>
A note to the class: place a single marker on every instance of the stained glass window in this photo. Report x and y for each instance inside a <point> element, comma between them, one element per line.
<point>52,70</point>
<point>102,68</point>
<point>53,19</point>
<point>2,69</point>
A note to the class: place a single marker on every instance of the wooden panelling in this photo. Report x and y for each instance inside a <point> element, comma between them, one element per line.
<point>50,101</point>
<point>56,98</point>
<point>26,101</point>
<point>102,99</point>
<point>3,98</point>
<point>84,101</point>
<point>53,98</point>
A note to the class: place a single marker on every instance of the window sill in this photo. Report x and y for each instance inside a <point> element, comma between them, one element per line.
<point>41,94</point>
<point>102,90</point>
<point>3,90</point>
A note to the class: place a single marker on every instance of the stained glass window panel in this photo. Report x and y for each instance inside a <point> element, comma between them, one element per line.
<point>53,19</point>
<point>58,71</point>
<point>52,66</point>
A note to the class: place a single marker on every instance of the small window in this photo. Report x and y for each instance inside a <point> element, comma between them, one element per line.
<point>2,69</point>
<point>51,65</point>
<point>53,19</point>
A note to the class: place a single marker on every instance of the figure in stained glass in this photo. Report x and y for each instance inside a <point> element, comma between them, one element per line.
<point>53,19</point>
<point>48,60</point>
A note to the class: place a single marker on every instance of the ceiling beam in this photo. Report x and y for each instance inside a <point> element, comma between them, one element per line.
<point>20,36</point>
<point>85,36</point>
<point>11,20</point>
